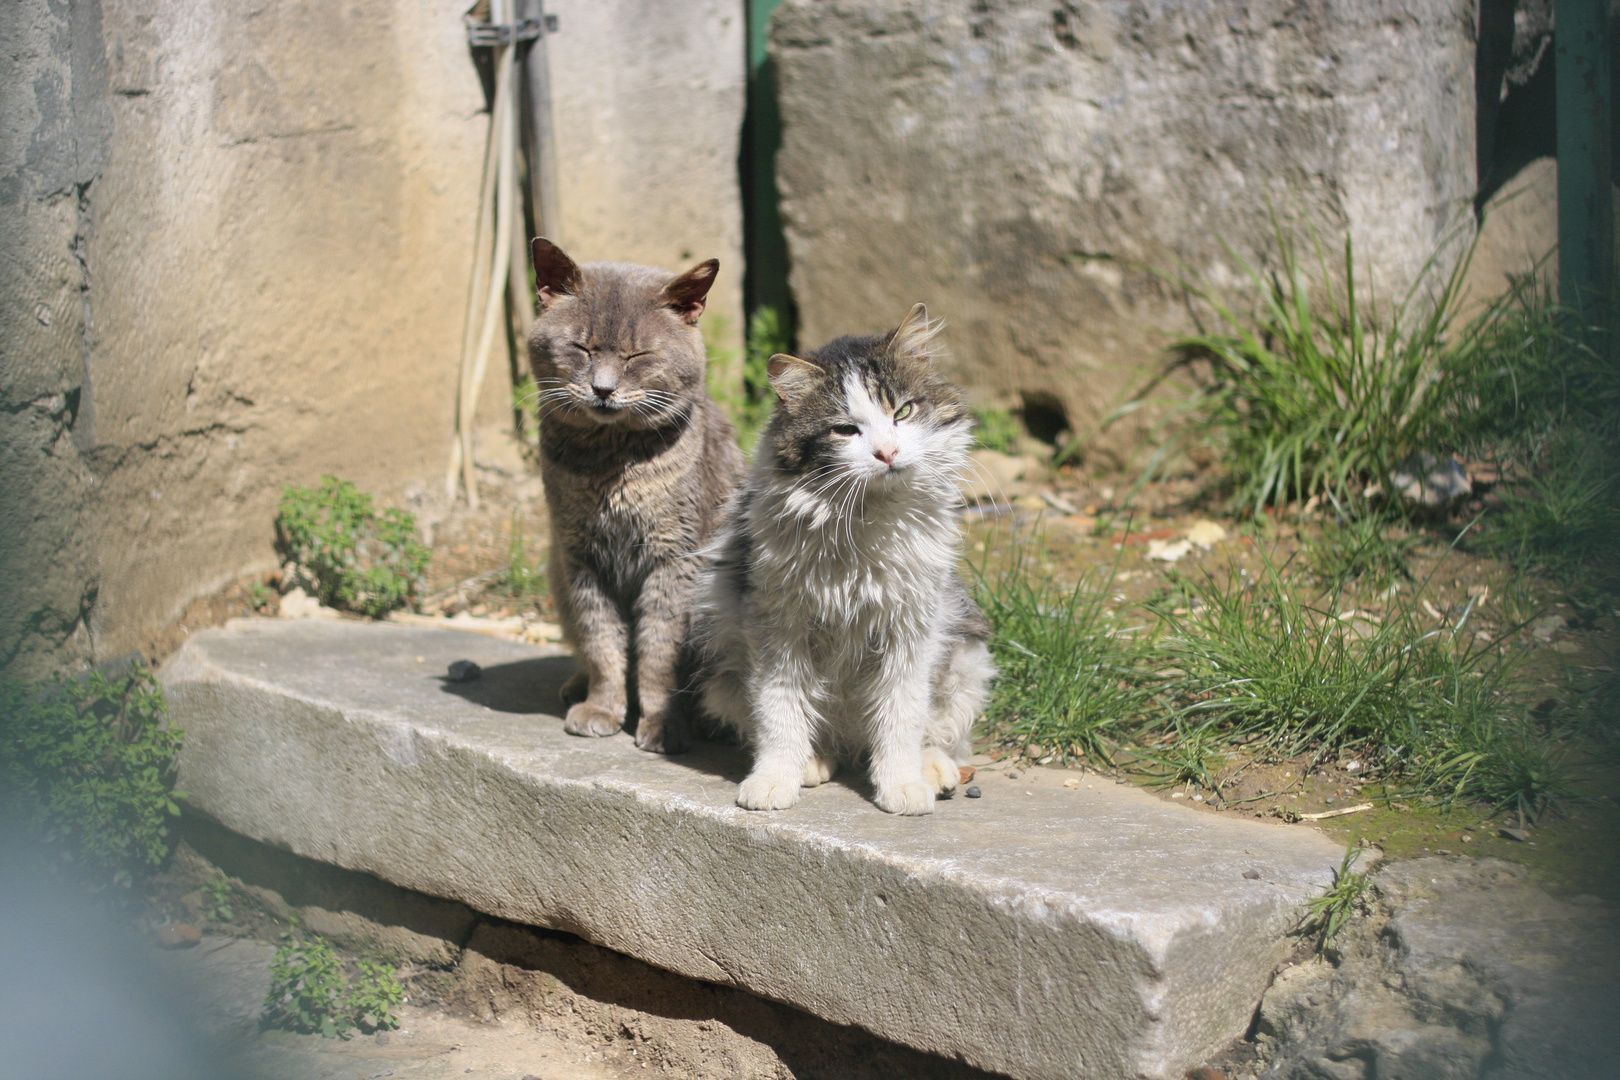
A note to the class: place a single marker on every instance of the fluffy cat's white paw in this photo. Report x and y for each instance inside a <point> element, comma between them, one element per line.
<point>764,791</point>
<point>911,798</point>
<point>819,771</point>
<point>939,770</point>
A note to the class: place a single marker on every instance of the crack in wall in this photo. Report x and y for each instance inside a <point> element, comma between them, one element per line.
<point>83,423</point>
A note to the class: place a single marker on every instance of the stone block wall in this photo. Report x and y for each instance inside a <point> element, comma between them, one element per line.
<point>235,241</point>
<point>1027,167</point>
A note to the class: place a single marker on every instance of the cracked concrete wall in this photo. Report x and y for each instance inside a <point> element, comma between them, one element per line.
<point>236,242</point>
<point>1025,165</point>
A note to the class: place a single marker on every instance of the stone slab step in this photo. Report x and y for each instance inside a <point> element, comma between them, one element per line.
<point>1039,931</point>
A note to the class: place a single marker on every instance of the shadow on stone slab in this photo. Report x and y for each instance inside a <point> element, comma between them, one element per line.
<point>526,687</point>
<point>362,913</point>
<point>514,969</point>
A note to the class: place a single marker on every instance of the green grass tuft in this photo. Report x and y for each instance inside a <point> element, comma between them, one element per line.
<point>1073,680</point>
<point>524,579</point>
<point>1328,914</point>
<point>1320,394</point>
<point>1370,549</point>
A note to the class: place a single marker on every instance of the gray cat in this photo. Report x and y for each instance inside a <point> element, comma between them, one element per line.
<point>832,619</point>
<point>637,459</point>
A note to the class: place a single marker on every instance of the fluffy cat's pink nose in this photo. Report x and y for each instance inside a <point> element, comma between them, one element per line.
<point>886,454</point>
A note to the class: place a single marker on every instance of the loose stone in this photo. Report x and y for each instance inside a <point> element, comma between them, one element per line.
<point>974,792</point>
<point>464,671</point>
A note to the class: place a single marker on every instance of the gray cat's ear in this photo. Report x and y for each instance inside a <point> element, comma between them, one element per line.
<point>688,294</point>
<point>555,274</point>
<point>914,338</point>
<point>791,376</point>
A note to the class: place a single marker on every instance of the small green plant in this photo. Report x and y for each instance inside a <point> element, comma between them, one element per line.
<point>261,595</point>
<point>91,763</point>
<point>750,404</point>
<point>355,557</point>
<point>526,408</point>
<point>311,993</point>
<point>1327,914</point>
<point>523,579</point>
<point>997,429</point>
<point>217,900</point>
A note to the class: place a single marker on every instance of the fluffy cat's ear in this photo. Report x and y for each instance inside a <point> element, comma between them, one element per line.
<point>687,294</point>
<point>791,376</point>
<point>555,274</point>
<point>914,338</point>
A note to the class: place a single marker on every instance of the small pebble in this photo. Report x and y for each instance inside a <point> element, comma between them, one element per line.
<point>1442,851</point>
<point>1198,798</point>
<point>1252,875</point>
<point>1012,776</point>
<point>1178,795</point>
<point>464,671</point>
<point>382,1038</point>
<point>1071,783</point>
<point>1521,835</point>
<point>974,792</point>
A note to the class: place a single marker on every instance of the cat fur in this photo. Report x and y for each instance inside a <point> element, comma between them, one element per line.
<point>637,460</point>
<point>832,623</point>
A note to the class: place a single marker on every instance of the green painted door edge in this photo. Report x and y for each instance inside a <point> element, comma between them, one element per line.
<point>1585,168</point>
<point>765,277</point>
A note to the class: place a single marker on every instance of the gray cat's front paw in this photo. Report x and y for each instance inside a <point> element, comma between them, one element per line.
<point>663,733</point>
<point>593,720</point>
<point>574,690</point>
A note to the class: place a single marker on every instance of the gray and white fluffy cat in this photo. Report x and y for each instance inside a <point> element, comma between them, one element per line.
<point>832,619</point>
<point>637,460</point>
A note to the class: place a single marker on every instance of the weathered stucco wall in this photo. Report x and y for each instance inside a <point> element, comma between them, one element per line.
<point>236,247</point>
<point>1023,165</point>
<point>648,97</point>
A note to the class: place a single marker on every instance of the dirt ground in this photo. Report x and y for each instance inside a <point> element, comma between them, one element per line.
<point>1080,525</point>
<point>486,998</point>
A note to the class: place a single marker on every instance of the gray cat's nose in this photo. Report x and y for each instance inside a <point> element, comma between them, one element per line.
<point>603,392</point>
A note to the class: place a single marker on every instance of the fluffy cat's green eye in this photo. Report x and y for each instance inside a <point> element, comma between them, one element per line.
<point>845,429</point>
<point>904,411</point>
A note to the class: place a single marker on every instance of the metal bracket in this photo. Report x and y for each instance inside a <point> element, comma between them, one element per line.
<point>485,35</point>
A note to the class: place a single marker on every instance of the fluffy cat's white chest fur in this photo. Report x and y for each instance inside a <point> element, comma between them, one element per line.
<point>875,570</point>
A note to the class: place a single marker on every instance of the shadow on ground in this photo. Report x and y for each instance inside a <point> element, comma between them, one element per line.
<point>592,998</point>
